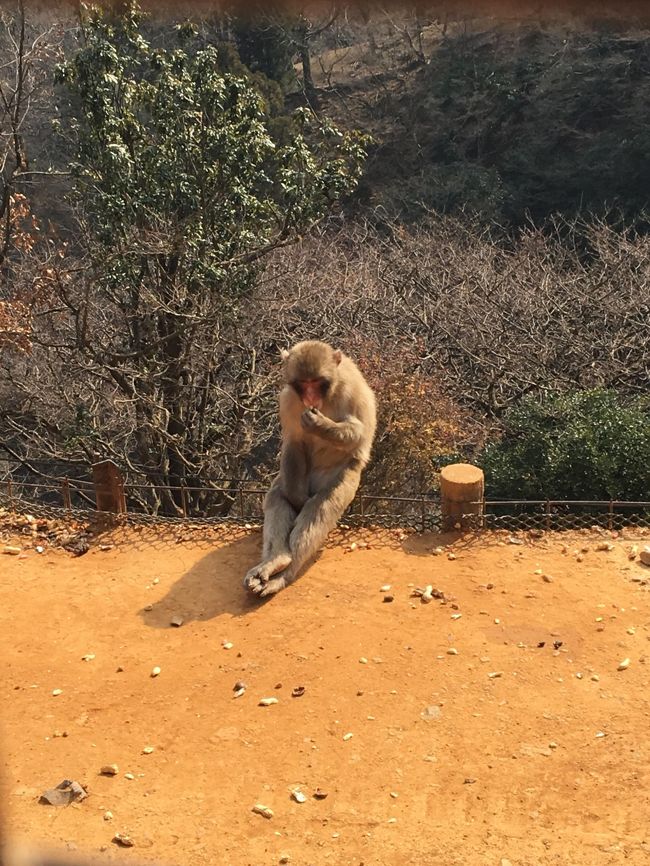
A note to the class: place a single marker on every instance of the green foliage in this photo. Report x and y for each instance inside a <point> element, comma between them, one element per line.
<point>532,121</point>
<point>175,161</point>
<point>264,46</point>
<point>183,187</point>
<point>576,445</point>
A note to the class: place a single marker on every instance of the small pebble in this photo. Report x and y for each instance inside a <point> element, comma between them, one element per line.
<point>547,578</point>
<point>155,672</point>
<point>176,621</point>
<point>451,556</point>
<point>456,615</point>
<point>148,750</point>
<point>347,736</point>
<point>363,661</point>
<point>264,811</point>
<point>595,678</point>
<point>227,645</point>
<point>624,665</point>
<point>129,776</point>
<point>394,795</point>
<point>108,816</point>
<point>298,796</point>
<point>155,581</point>
<point>495,675</point>
<point>148,607</point>
<point>57,692</point>
<point>109,770</point>
<point>388,598</point>
<point>88,657</point>
<point>385,588</point>
<point>297,692</point>
<point>452,651</point>
<point>320,794</point>
<point>123,840</point>
<point>268,702</point>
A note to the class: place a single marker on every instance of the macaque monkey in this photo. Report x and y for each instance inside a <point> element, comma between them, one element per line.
<point>328,419</point>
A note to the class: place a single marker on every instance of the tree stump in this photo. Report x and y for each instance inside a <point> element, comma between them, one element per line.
<point>461,495</point>
<point>109,488</point>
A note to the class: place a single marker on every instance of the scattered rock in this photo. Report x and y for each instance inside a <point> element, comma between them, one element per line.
<point>57,692</point>
<point>319,794</point>
<point>644,556</point>
<point>431,712</point>
<point>155,672</point>
<point>109,770</point>
<point>88,657</point>
<point>388,598</point>
<point>264,811</point>
<point>298,796</point>
<point>297,692</point>
<point>347,737</point>
<point>547,578</point>
<point>108,816</point>
<point>123,840</point>
<point>469,781</point>
<point>10,550</point>
<point>148,750</point>
<point>452,651</point>
<point>227,645</point>
<point>493,675</point>
<point>604,545</point>
<point>176,621</point>
<point>623,665</point>
<point>268,702</point>
<point>66,792</point>
<point>385,588</point>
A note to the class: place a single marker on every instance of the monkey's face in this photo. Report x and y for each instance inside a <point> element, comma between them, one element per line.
<point>311,369</point>
<point>312,392</point>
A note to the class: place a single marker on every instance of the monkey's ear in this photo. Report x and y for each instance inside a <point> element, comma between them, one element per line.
<point>284,354</point>
<point>337,356</point>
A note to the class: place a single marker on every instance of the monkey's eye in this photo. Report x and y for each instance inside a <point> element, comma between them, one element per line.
<point>297,387</point>
<point>325,385</point>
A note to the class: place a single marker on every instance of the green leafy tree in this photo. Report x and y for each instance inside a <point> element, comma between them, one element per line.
<point>575,445</point>
<point>181,193</point>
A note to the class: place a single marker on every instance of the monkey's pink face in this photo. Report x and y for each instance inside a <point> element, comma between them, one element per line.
<point>311,391</point>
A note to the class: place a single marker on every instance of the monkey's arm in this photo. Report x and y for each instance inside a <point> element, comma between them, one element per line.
<point>342,434</point>
<point>293,472</point>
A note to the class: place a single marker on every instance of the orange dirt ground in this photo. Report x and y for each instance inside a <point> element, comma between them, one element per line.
<point>546,763</point>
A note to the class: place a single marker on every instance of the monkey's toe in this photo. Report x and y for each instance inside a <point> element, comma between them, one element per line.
<point>271,587</point>
<point>255,578</point>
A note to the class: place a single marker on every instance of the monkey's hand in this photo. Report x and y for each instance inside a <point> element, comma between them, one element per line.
<point>313,419</point>
<point>342,434</point>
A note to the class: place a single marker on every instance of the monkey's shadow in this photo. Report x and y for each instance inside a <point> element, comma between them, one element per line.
<point>212,587</point>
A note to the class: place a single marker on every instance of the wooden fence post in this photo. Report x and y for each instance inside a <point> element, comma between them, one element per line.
<point>109,487</point>
<point>461,494</point>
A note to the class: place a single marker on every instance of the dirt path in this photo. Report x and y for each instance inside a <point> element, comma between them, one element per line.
<point>546,763</point>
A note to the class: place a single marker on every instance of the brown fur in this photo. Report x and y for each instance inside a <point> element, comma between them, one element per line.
<point>323,455</point>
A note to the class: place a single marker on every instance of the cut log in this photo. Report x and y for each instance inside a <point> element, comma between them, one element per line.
<point>461,495</point>
<point>109,488</point>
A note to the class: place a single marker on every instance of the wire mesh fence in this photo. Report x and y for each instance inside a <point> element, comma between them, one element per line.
<point>231,508</point>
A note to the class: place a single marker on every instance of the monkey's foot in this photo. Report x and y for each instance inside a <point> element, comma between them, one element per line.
<point>263,571</point>
<point>271,587</point>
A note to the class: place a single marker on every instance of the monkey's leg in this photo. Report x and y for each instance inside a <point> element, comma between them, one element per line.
<point>317,519</point>
<point>279,518</point>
